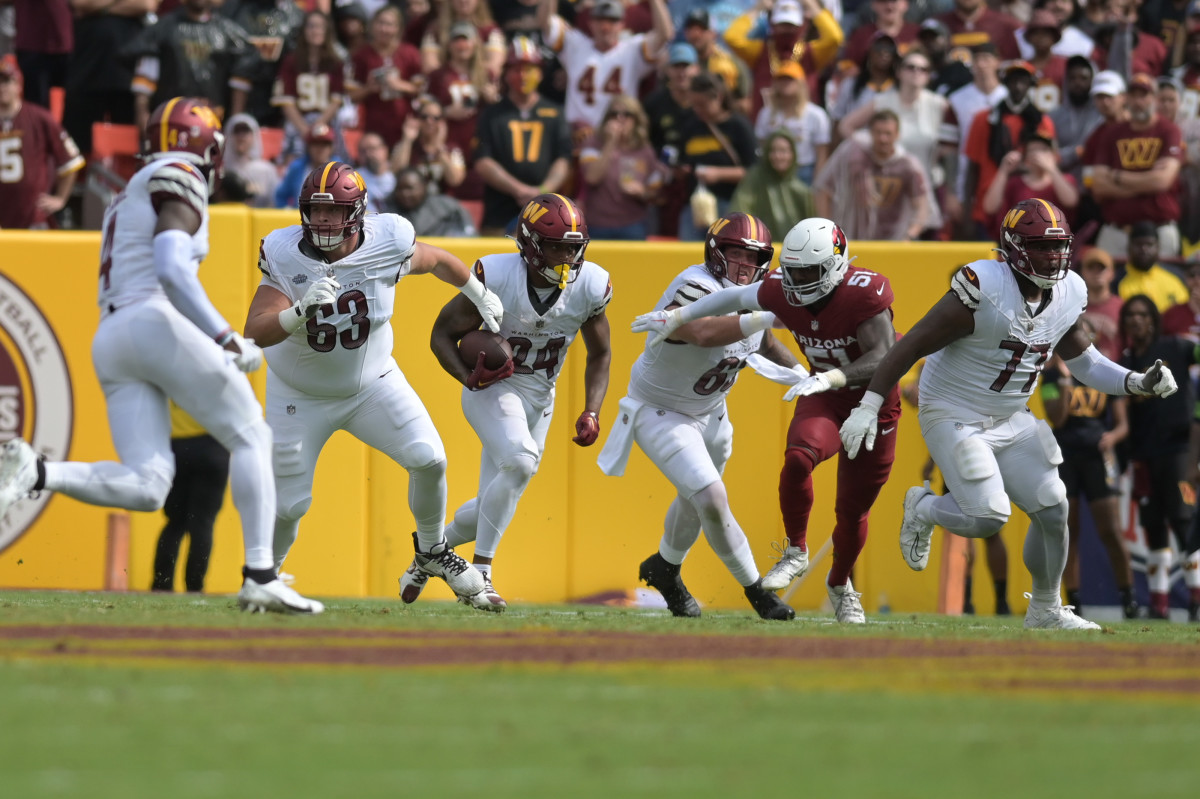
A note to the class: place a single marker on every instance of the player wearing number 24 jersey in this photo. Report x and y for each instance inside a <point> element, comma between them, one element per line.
<point>675,411</point>
<point>323,310</point>
<point>988,339</point>
<point>841,318</point>
<point>550,294</point>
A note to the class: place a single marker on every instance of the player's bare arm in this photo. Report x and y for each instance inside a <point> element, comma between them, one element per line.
<point>876,336</point>
<point>457,318</point>
<point>449,268</point>
<point>595,332</point>
<point>262,319</point>
<point>663,29</point>
<point>946,322</point>
<point>774,350</point>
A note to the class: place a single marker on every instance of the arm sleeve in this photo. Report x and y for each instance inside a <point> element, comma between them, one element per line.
<point>725,301</point>
<point>1093,369</point>
<point>176,270</point>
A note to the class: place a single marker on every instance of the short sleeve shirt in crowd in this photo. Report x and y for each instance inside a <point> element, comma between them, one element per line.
<point>1119,146</point>
<point>1156,283</point>
<point>702,147</point>
<point>990,26</point>
<point>593,77</point>
<point>384,111</point>
<point>311,89</point>
<point>1086,412</point>
<point>525,144</point>
<point>30,143</point>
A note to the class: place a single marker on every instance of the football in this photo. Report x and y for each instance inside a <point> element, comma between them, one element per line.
<point>494,346</point>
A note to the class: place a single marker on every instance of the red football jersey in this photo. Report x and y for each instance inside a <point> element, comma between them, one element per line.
<point>990,26</point>
<point>384,112</point>
<point>30,143</point>
<point>310,91</point>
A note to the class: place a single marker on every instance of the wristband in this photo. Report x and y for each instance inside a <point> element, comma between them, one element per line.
<point>755,321</point>
<point>870,400</point>
<point>473,289</point>
<point>224,337</point>
<point>837,379</point>
<point>291,319</point>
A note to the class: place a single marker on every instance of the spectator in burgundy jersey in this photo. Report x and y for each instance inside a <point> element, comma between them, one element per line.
<point>886,16</point>
<point>1184,319</point>
<point>386,74</point>
<point>1103,312</point>
<point>876,190</point>
<point>43,43</point>
<point>1049,69</point>
<point>310,83</point>
<point>463,86</point>
<point>972,23</point>
<point>1124,49</point>
<point>446,17</point>
<point>424,146</point>
<point>1029,173</point>
<point>1134,171</point>
<point>30,140</point>
<point>97,87</point>
<point>996,132</point>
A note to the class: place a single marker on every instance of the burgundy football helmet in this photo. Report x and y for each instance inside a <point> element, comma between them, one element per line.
<point>1035,240</point>
<point>552,222</point>
<point>335,184</point>
<point>741,230</point>
<point>187,127</point>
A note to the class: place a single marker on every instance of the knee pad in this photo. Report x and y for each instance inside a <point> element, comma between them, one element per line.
<point>293,510</point>
<point>988,526</point>
<point>1054,515</point>
<point>1052,492</point>
<point>255,435</point>
<point>521,465</point>
<point>975,461</point>
<point>157,479</point>
<point>433,467</point>
<point>1049,444</point>
<point>711,499</point>
<point>799,461</point>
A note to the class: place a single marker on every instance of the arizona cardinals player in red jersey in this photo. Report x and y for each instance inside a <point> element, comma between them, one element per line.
<point>841,317</point>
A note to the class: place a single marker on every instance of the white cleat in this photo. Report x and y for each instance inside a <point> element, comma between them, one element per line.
<point>412,583</point>
<point>275,597</point>
<point>793,562</point>
<point>487,599</point>
<point>915,534</point>
<point>846,604</point>
<point>18,472</point>
<point>1058,617</point>
<point>441,561</point>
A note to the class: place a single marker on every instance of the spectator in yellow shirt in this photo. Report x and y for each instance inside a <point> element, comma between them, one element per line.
<point>1143,275</point>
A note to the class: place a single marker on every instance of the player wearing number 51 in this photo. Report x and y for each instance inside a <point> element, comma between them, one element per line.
<point>550,294</point>
<point>841,318</point>
<point>988,339</point>
<point>675,411</point>
<point>323,311</point>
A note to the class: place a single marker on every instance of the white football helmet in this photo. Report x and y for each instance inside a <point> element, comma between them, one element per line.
<point>813,260</point>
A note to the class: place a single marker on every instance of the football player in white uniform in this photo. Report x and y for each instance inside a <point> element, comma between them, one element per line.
<point>675,411</point>
<point>323,310</point>
<point>550,294</point>
<point>605,63</point>
<point>988,339</point>
<point>160,337</point>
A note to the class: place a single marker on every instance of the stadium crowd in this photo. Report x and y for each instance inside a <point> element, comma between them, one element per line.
<point>900,119</point>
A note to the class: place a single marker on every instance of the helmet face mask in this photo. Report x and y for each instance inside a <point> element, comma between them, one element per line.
<point>333,185</point>
<point>552,238</point>
<point>1035,241</point>
<point>814,260</point>
<point>738,249</point>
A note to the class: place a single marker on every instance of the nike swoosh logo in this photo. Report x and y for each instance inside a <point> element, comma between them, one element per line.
<point>547,413</point>
<point>885,431</point>
<point>880,292</point>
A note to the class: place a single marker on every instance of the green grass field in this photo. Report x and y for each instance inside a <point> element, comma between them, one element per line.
<point>107,695</point>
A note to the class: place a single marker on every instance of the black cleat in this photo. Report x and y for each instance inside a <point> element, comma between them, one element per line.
<point>768,604</point>
<point>657,573</point>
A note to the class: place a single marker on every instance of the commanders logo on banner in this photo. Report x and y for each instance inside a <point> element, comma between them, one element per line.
<point>35,394</point>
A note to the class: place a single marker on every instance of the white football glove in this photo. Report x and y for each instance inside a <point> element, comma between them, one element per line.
<point>491,309</point>
<point>862,425</point>
<point>1157,381</point>
<point>248,356</point>
<point>814,384</point>
<point>659,324</point>
<point>321,292</point>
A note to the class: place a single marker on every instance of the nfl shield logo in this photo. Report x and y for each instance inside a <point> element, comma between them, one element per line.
<point>291,409</point>
<point>815,324</point>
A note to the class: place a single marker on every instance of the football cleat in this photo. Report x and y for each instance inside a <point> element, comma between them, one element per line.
<point>658,573</point>
<point>274,597</point>
<point>915,534</point>
<point>1057,617</point>
<point>846,603</point>
<point>441,561</point>
<point>793,562</point>
<point>487,599</point>
<point>767,604</point>
<point>18,473</point>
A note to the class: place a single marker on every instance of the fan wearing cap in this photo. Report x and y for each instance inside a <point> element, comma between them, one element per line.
<point>1071,40</point>
<point>451,20</point>
<point>887,16</point>
<point>31,140</point>
<point>318,149</point>
<point>950,73</point>
<point>803,31</point>
<point>1134,170</point>
<point>972,22</point>
<point>713,57</point>
<point>997,131</point>
<point>788,109</point>
<point>605,63</point>
<point>1049,69</point>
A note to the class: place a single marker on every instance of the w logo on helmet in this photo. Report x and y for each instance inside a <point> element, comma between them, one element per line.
<point>533,212</point>
<point>1012,218</point>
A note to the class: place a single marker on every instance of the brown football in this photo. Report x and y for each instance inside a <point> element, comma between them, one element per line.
<point>494,346</point>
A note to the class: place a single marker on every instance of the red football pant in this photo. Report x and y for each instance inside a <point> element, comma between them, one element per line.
<point>813,438</point>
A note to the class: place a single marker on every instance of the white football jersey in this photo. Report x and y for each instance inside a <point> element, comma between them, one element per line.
<point>684,377</point>
<point>540,332</point>
<point>347,345</point>
<point>993,371</point>
<point>127,242</point>
<point>594,77</point>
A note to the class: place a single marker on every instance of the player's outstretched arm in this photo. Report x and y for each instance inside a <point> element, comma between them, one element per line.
<point>946,322</point>
<point>774,350</point>
<point>1094,370</point>
<point>449,268</point>
<point>457,318</point>
<point>595,332</point>
<point>662,325</point>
